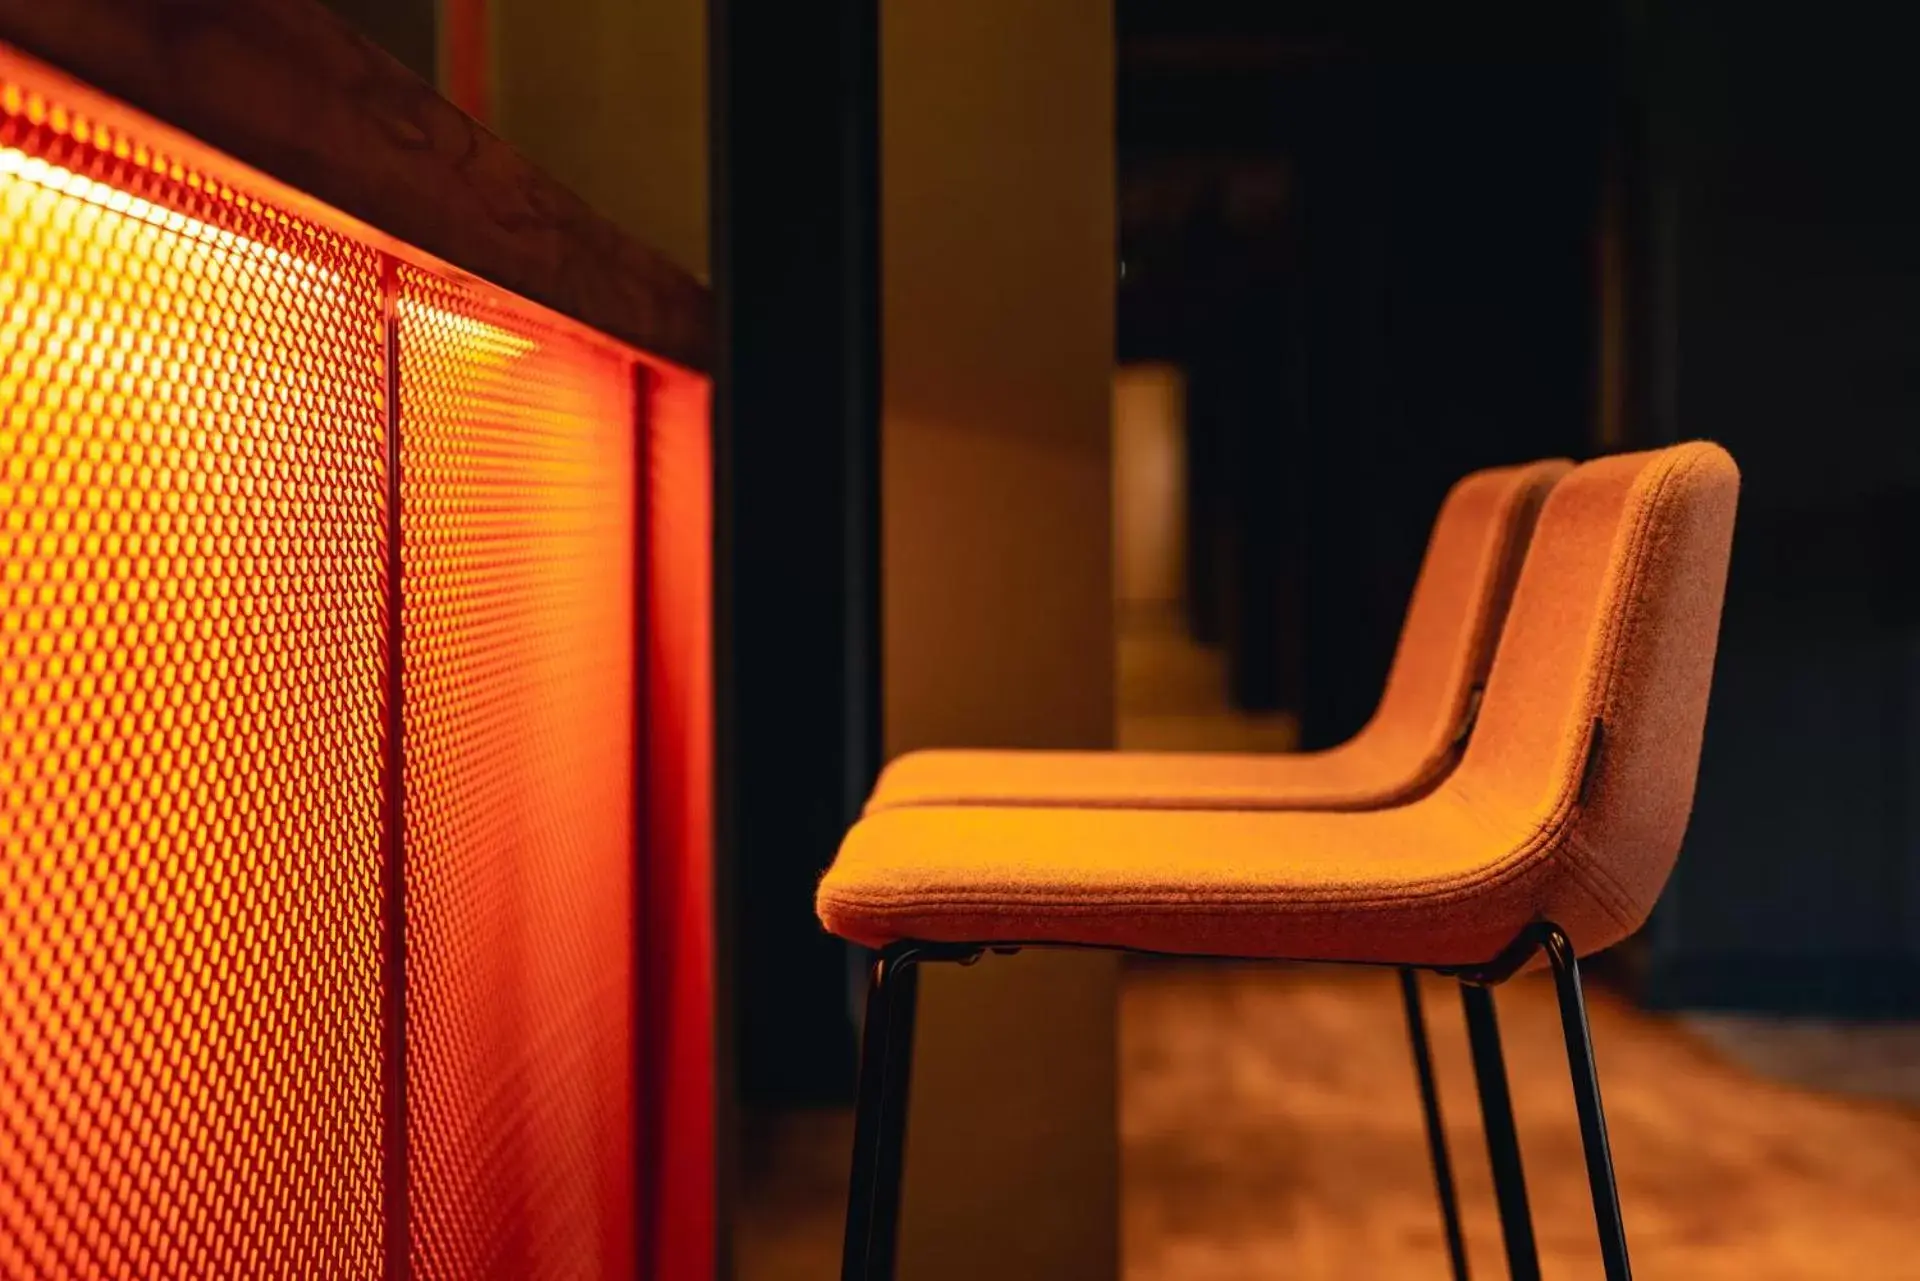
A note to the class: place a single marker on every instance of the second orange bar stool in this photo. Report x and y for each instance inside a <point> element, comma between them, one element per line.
<point>1439,667</point>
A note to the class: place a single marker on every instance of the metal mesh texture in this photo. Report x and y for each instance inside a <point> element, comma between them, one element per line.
<point>192,444</point>
<point>194,426</point>
<point>517,534</point>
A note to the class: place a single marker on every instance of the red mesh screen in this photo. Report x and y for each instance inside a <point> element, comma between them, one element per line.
<point>191,546</point>
<point>196,1036</point>
<point>517,532</point>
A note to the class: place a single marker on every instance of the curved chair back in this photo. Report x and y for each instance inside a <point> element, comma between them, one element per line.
<point>1596,703</point>
<point>1453,621</point>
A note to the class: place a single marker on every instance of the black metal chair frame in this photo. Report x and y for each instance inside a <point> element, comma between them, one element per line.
<point>886,1061</point>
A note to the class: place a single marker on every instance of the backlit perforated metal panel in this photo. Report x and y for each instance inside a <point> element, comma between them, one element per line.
<point>192,436</point>
<point>517,531</point>
<point>227,731</point>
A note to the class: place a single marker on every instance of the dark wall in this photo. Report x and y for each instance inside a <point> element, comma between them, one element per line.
<point>1368,231</point>
<point>1787,308</point>
<point>1451,280</point>
<point>1373,233</point>
<point>795,279</point>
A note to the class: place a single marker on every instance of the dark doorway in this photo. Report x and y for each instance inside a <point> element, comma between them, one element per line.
<point>1372,237</point>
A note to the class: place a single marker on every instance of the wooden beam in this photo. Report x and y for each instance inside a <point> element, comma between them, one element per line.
<point>287,88</point>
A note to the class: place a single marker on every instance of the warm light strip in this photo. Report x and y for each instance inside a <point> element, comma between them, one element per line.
<point>15,163</point>
<point>477,333</point>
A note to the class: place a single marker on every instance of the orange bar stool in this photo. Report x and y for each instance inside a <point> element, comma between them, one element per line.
<point>1413,738</point>
<point>1424,718</point>
<point>1554,835</point>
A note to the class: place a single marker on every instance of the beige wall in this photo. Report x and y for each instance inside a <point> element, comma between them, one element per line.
<point>610,97</point>
<point>997,172</point>
<point>997,242</point>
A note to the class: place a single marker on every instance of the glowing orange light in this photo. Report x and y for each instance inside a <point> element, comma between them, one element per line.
<point>192,473</point>
<point>517,532</point>
<point>196,408</point>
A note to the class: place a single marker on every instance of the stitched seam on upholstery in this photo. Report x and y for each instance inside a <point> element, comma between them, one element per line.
<point>1605,892</point>
<point>1128,908</point>
<point>1582,860</point>
<point>1376,798</point>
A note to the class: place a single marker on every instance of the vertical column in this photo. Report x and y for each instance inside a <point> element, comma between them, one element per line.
<point>997,207</point>
<point>797,419</point>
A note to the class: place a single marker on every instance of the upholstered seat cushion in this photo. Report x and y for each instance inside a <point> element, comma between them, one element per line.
<point>1362,773</point>
<point>1431,883</point>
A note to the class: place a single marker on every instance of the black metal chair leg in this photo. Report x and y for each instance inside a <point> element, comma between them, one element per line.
<point>1436,1131</point>
<point>1586,1097</point>
<point>880,1121</point>
<point>1503,1139</point>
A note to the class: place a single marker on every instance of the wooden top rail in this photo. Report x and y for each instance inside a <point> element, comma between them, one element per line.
<point>287,88</point>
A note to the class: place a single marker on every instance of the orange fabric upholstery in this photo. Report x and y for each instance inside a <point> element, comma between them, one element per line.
<point>1446,646</point>
<point>1568,804</point>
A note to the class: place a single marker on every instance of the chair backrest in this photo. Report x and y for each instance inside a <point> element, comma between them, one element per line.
<point>1454,616</point>
<point>1594,709</point>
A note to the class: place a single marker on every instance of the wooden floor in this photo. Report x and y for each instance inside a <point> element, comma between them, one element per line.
<point>1270,1129</point>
